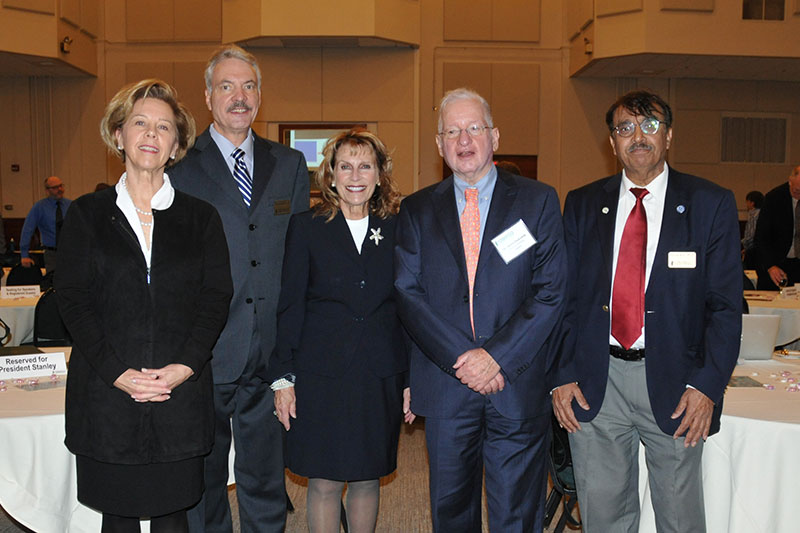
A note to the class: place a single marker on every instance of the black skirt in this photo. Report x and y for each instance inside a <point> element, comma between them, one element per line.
<point>141,491</point>
<point>346,428</point>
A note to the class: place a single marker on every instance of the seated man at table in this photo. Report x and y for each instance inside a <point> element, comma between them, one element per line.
<point>777,239</point>
<point>46,215</point>
<point>649,369</point>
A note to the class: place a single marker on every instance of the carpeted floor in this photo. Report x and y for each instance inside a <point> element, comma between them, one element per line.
<point>404,494</point>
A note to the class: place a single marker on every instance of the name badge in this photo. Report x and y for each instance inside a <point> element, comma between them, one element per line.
<point>682,260</point>
<point>282,207</point>
<point>513,241</point>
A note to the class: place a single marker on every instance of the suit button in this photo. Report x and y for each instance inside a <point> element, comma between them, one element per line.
<point>466,299</point>
<point>605,308</point>
<point>249,300</point>
<point>252,227</point>
<point>254,262</point>
<point>362,283</point>
<point>359,319</point>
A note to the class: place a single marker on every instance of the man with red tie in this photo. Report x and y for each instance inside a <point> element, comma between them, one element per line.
<point>652,325</point>
<point>480,271</point>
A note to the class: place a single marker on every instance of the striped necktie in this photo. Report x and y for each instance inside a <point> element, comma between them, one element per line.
<point>242,176</point>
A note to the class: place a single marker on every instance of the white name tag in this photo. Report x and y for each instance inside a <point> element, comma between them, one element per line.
<point>513,241</point>
<point>682,260</point>
<point>33,365</point>
<point>20,291</point>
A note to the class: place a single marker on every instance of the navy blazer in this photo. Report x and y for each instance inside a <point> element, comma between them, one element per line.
<point>693,316</point>
<point>255,238</point>
<point>516,305</point>
<point>337,306</point>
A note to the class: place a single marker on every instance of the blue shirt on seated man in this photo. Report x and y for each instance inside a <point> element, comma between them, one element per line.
<point>47,215</point>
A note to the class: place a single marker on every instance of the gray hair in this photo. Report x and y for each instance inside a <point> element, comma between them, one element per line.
<point>230,51</point>
<point>462,93</point>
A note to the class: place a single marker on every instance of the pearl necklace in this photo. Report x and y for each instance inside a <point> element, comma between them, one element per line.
<point>123,181</point>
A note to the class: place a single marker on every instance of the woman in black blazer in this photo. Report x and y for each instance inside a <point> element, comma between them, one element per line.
<point>143,284</point>
<point>339,361</point>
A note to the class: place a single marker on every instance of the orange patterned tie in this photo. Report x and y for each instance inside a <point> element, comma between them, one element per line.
<point>471,234</point>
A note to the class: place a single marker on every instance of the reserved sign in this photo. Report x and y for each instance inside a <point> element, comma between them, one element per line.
<point>32,365</point>
<point>20,291</point>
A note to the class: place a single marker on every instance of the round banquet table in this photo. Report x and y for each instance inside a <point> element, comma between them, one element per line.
<point>18,315</point>
<point>768,303</point>
<point>750,466</point>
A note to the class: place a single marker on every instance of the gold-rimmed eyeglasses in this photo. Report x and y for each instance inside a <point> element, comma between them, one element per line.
<point>473,130</point>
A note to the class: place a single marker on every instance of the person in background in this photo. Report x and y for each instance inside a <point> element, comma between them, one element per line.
<point>777,239</point>
<point>509,166</point>
<point>144,287</point>
<point>256,185</point>
<point>653,322</point>
<point>753,201</point>
<point>100,186</point>
<point>340,347</point>
<point>46,215</point>
<point>480,274</point>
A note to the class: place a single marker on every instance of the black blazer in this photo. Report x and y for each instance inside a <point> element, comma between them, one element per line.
<point>119,321</point>
<point>337,307</point>
<point>774,232</point>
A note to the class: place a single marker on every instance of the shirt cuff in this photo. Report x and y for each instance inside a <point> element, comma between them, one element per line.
<point>283,382</point>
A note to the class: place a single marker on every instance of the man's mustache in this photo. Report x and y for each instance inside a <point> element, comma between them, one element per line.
<point>239,105</point>
<point>639,146</point>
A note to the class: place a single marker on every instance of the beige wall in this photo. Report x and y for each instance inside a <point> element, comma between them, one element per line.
<point>540,110</point>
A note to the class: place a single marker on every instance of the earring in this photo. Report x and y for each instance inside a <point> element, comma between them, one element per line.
<point>333,185</point>
<point>172,157</point>
<point>120,148</point>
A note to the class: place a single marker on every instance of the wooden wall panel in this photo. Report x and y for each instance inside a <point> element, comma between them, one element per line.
<point>188,77</point>
<point>616,7</point>
<point>47,7</point>
<point>579,14</point>
<point>70,10</point>
<point>399,139</point>
<point>475,76</point>
<point>149,20</point>
<point>140,71</point>
<point>198,20</point>
<point>367,84</point>
<point>291,85</point>
<point>516,20</point>
<point>16,141</point>
<point>467,20</point>
<point>515,106</point>
<point>90,17</point>
<point>687,5</point>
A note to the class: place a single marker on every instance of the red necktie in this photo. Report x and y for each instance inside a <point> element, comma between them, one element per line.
<point>627,302</point>
<point>471,235</point>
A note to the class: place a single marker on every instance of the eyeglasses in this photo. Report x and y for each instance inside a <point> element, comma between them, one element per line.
<point>454,133</point>
<point>61,186</point>
<point>649,126</point>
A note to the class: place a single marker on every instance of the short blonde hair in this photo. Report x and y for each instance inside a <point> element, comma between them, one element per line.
<point>385,200</point>
<point>120,107</point>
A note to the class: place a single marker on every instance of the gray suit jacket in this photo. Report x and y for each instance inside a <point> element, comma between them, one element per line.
<point>255,238</point>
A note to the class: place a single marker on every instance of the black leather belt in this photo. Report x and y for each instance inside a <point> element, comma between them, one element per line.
<point>626,355</point>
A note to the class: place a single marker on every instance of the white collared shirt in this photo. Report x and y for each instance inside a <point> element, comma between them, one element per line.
<point>226,148</point>
<point>161,200</point>
<point>654,208</point>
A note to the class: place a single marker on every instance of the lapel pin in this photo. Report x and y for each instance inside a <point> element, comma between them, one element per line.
<point>376,235</point>
<point>680,209</point>
<point>605,210</point>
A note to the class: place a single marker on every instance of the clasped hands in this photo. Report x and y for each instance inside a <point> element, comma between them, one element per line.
<point>153,384</point>
<point>478,370</point>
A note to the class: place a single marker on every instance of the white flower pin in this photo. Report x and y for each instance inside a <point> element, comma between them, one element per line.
<point>376,235</point>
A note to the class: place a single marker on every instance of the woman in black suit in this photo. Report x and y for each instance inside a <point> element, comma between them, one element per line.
<point>339,359</point>
<point>143,284</point>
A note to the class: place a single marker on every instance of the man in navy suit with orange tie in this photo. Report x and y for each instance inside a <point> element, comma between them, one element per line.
<point>480,272</point>
<point>653,323</point>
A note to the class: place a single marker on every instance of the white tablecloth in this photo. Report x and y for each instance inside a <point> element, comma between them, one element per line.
<point>18,316</point>
<point>750,467</point>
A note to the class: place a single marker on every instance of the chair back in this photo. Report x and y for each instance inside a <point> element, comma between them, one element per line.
<point>759,335</point>
<point>20,275</point>
<point>48,328</point>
